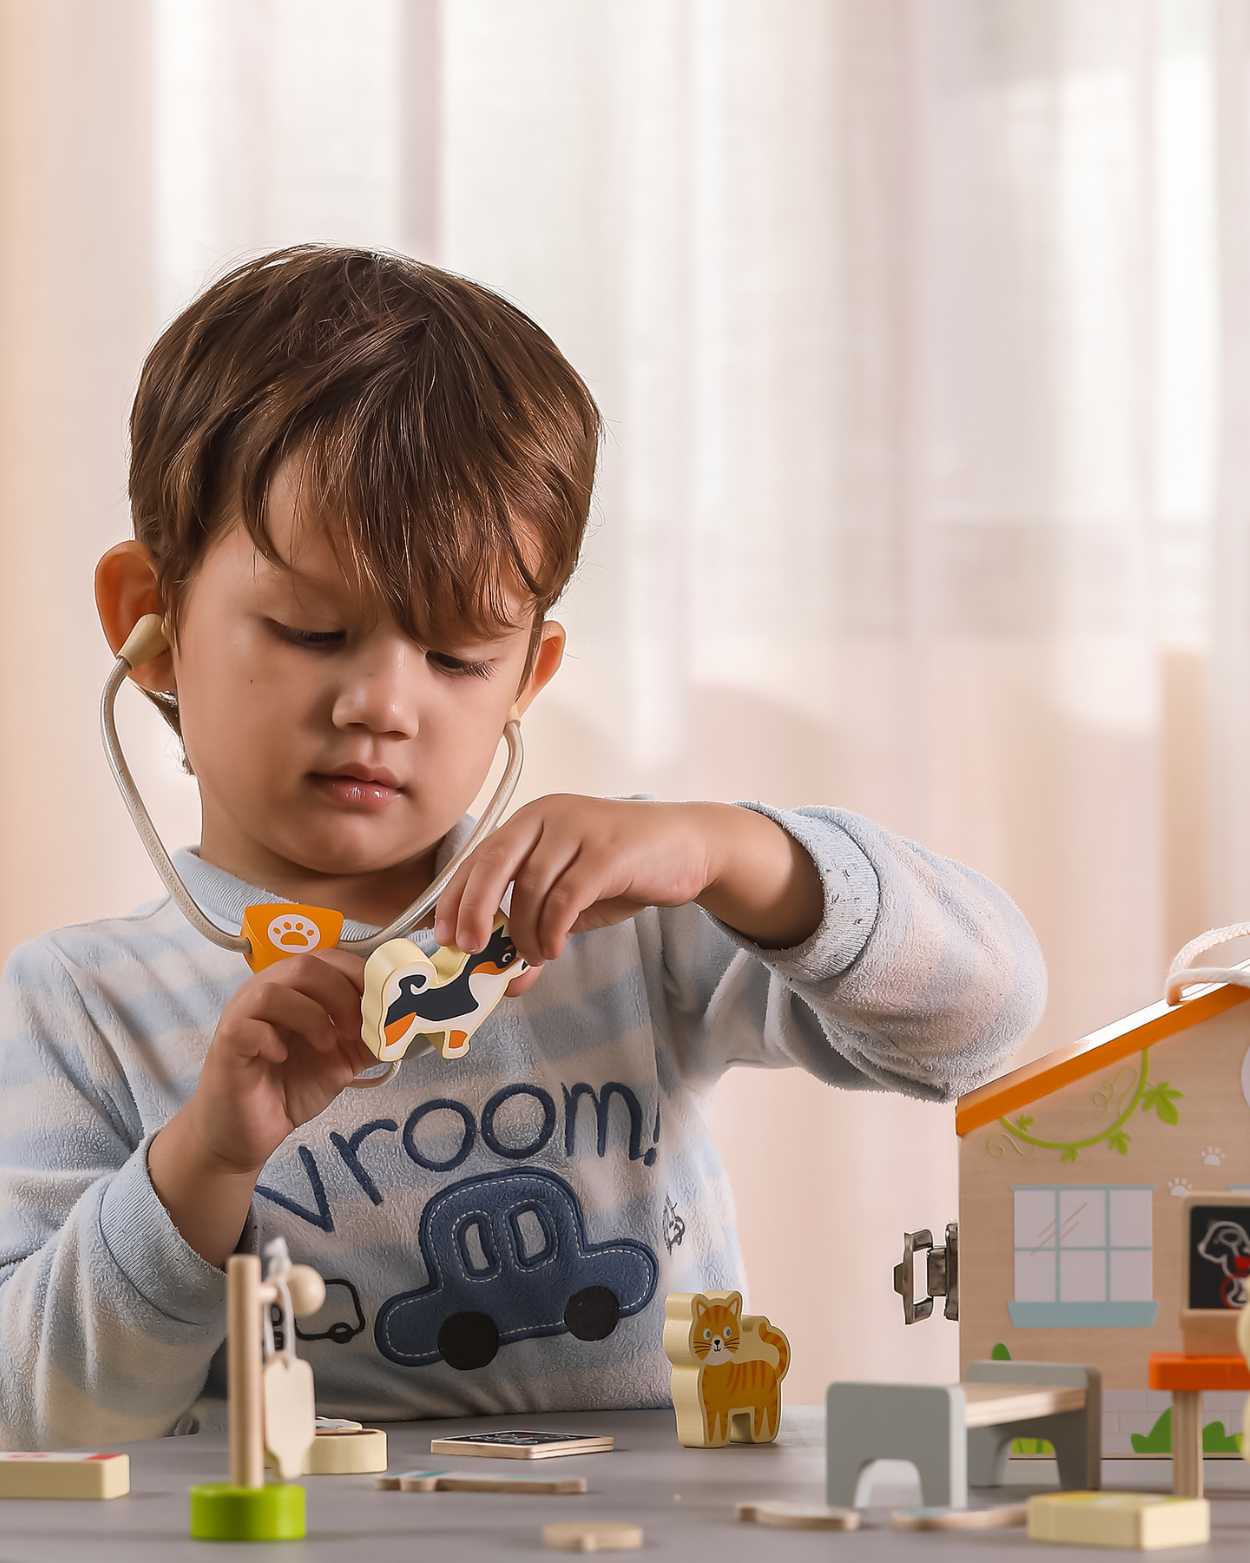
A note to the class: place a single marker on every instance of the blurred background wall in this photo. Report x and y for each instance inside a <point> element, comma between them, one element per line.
<point>921,334</point>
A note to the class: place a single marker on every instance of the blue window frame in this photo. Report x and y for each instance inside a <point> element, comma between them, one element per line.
<point>1083,1256</point>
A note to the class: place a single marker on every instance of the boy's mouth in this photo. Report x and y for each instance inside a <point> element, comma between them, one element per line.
<point>353,792</point>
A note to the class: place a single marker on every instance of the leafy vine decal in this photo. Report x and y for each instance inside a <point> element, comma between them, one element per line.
<point>1159,1098</point>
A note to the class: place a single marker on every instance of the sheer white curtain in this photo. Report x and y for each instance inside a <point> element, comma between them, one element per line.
<point>921,332</point>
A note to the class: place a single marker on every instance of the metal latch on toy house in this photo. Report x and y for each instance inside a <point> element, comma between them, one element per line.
<point>941,1274</point>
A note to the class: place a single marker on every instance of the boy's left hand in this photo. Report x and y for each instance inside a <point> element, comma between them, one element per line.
<point>577,863</point>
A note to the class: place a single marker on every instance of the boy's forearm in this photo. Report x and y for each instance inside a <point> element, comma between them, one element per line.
<point>766,885</point>
<point>208,1205</point>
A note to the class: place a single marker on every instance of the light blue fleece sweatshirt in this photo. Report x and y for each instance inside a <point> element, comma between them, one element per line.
<point>497,1233</point>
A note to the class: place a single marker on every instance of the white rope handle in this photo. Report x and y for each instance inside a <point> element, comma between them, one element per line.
<point>1182,975</point>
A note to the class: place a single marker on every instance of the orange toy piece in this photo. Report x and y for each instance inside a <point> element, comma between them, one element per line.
<point>727,1370</point>
<point>1186,1377</point>
<point>277,929</point>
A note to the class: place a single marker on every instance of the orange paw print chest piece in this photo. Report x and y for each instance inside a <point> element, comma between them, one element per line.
<point>276,930</point>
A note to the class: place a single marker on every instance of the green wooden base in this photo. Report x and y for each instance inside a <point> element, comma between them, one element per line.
<point>275,1512</point>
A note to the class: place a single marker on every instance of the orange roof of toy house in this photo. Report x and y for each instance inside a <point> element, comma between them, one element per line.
<point>1128,1036</point>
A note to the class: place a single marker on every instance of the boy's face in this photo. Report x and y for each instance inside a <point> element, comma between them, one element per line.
<point>265,719</point>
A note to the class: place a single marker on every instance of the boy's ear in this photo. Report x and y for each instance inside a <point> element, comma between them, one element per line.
<point>125,589</point>
<point>547,660</point>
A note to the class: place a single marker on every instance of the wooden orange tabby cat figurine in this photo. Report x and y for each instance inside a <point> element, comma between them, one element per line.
<point>727,1370</point>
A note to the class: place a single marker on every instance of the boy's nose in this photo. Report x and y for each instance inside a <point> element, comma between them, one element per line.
<point>380,690</point>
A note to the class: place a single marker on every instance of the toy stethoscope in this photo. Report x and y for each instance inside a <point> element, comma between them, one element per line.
<point>146,641</point>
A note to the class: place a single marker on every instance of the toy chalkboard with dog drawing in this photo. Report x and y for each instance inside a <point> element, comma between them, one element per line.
<point>1217,1270</point>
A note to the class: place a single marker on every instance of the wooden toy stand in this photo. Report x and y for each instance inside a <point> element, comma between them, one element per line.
<point>247,1508</point>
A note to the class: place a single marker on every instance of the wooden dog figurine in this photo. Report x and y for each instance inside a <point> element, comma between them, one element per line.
<point>443,998</point>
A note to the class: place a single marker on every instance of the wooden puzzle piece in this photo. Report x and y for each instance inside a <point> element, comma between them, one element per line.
<point>64,1474</point>
<point>460,1481</point>
<point>599,1536</point>
<point>1001,1516</point>
<point>441,998</point>
<point>727,1370</point>
<point>278,929</point>
<point>799,1516</point>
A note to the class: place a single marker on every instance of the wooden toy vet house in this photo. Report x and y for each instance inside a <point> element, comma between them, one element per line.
<point>270,1404</point>
<point>442,998</point>
<point>727,1370</point>
<point>1069,1245</point>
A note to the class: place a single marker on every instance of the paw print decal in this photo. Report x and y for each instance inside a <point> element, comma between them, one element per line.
<point>1179,1186</point>
<point>293,934</point>
<point>1212,1156</point>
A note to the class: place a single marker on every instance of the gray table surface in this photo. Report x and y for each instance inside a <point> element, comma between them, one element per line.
<point>684,1499</point>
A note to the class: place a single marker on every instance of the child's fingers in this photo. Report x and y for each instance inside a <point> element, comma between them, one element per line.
<point>448,908</point>
<point>258,1039</point>
<point>357,1054</point>
<point>543,868</point>
<point>469,927</point>
<point>523,983</point>
<point>351,965</point>
<point>328,978</point>
<point>297,1012</point>
<point>466,909</point>
<point>578,888</point>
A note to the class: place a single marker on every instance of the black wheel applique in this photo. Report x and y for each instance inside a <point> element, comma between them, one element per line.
<point>592,1313</point>
<point>468,1340</point>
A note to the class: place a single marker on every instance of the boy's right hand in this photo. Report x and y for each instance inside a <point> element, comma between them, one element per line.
<point>287,1044</point>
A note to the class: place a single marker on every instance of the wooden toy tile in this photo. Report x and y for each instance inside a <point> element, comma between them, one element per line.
<point>594,1536</point>
<point>471,1481</point>
<point>64,1474</point>
<point>727,1370</point>
<point>1138,1520</point>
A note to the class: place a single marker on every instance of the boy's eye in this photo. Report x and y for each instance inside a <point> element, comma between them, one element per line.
<point>456,666</point>
<point>304,637</point>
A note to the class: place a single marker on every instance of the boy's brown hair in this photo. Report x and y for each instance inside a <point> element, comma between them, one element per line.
<point>440,428</point>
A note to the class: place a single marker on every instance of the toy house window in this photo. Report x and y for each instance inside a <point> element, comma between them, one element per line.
<point>1083,1257</point>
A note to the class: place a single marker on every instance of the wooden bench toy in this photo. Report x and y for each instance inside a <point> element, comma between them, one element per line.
<point>959,1433</point>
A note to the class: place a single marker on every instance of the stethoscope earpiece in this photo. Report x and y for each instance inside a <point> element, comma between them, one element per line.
<point>146,641</point>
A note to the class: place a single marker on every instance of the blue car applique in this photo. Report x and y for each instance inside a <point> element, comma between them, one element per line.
<point>507,1258</point>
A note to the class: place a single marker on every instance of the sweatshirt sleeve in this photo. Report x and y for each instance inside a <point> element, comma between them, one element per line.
<point>921,977</point>
<point>108,1319</point>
